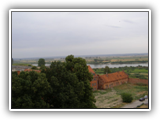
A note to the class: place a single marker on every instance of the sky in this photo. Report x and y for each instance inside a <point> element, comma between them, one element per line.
<point>48,34</point>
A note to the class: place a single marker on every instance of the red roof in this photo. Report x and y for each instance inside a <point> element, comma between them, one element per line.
<point>32,70</point>
<point>18,72</point>
<point>90,69</point>
<point>114,76</point>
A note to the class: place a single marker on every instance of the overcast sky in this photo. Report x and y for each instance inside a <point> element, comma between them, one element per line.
<point>47,34</point>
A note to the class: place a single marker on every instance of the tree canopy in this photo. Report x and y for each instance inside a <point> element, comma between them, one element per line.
<point>63,85</point>
<point>41,61</point>
<point>29,89</point>
<point>34,67</point>
<point>71,83</point>
<point>107,70</point>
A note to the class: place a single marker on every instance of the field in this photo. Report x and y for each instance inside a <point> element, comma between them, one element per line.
<point>93,60</point>
<point>117,60</point>
<point>21,64</point>
<point>111,98</point>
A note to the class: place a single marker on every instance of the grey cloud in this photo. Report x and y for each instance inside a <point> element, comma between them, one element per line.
<point>129,21</point>
<point>51,33</point>
<point>113,26</point>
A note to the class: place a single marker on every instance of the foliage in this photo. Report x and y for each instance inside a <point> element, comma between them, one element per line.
<point>34,67</point>
<point>29,89</point>
<point>127,97</point>
<point>70,81</point>
<point>107,70</point>
<point>41,61</point>
<point>43,67</point>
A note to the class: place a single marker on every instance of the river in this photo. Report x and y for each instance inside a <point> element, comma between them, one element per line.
<point>109,65</point>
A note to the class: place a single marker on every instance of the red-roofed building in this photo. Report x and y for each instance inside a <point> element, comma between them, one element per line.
<point>112,79</point>
<point>18,72</point>
<point>107,80</point>
<point>94,82</point>
<point>32,70</point>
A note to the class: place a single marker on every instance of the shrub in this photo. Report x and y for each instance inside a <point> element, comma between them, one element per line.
<point>127,97</point>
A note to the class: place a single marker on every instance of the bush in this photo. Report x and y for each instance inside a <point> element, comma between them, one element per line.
<point>127,97</point>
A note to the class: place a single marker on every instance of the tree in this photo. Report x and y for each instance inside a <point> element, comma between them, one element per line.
<point>95,60</point>
<point>41,61</point>
<point>79,67</point>
<point>29,90</point>
<point>42,67</point>
<point>107,70</point>
<point>70,81</point>
<point>34,67</point>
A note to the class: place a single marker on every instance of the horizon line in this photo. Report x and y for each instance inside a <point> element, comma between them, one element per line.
<point>82,55</point>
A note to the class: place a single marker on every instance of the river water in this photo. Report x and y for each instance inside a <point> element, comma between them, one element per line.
<point>109,65</point>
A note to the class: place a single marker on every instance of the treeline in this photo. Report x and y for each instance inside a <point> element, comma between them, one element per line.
<point>133,72</point>
<point>129,62</point>
<point>116,62</point>
<point>63,85</point>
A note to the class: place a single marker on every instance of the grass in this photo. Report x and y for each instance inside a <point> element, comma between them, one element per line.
<point>111,98</point>
<point>140,71</point>
<point>102,91</point>
<point>136,90</point>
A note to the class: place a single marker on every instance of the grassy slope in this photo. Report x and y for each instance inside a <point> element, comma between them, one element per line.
<point>111,98</point>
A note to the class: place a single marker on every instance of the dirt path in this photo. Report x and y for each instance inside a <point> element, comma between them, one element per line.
<point>135,104</point>
<point>107,100</point>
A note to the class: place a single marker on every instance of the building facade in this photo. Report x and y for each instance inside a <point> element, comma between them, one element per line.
<point>107,80</point>
<point>112,79</point>
<point>94,82</point>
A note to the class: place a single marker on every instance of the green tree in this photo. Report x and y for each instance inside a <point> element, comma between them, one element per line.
<point>41,61</point>
<point>43,67</point>
<point>29,90</point>
<point>95,60</point>
<point>71,83</point>
<point>79,67</point>
<point>107,70</point>
<point>34,67</point>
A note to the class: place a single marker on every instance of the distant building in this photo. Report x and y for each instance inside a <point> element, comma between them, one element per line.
<point>107,80</point>
<point>32,70</point>
<point>18,72</point>
<point>94,82</point>
<point>112,79</point>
